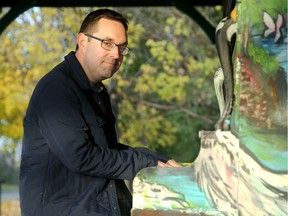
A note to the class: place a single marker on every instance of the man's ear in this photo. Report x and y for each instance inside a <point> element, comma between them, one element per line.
<point>81,40</point>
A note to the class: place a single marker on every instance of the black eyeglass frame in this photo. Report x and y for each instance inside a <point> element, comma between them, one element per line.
<point>124,50</point>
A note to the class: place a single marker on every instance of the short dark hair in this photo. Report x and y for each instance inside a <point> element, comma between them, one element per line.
<point>93,17</point>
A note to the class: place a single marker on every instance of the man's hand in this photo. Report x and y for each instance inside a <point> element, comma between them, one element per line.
<point>169,163</point>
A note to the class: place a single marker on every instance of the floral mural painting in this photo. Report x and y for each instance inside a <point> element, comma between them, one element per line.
<point>261,79</point>
<point>241,170</point>
<point>260,114</point>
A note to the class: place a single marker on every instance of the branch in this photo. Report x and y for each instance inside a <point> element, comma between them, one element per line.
<point>178,106</point>
<point>195,115</point>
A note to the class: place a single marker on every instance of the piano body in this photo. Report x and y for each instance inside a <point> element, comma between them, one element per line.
<point>242,165</point>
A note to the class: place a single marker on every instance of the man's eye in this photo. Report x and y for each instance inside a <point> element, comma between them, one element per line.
<point>108,43</point>
<point>122,48</point>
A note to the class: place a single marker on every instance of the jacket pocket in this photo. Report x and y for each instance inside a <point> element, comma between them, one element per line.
<point>97,129</point>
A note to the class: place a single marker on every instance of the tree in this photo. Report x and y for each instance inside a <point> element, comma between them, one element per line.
<point>162,95</point>
<point>168,90</point>
<point>32,45</point>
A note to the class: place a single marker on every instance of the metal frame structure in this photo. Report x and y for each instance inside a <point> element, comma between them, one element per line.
<point>18,7</point>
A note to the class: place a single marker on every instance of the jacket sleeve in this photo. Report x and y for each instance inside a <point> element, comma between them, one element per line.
<point>144,150</point>
<point>159,156</point>
<point>59,117</point>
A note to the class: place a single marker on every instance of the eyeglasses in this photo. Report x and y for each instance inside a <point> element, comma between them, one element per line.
<point>109,45</point>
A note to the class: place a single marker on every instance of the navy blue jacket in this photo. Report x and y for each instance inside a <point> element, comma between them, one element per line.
<point>71,159</point>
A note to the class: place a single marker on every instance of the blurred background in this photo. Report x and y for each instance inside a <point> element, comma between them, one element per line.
<point>162,95</point>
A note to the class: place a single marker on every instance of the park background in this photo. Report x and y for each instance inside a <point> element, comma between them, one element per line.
<point>162,96</point>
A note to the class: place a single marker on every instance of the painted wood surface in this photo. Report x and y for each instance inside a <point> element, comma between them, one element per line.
<point>242,171</point>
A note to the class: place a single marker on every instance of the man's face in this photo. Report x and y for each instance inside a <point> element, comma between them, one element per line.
<point>98,63</point>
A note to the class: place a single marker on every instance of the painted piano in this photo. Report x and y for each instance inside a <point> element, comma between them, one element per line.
<point>242,165</point>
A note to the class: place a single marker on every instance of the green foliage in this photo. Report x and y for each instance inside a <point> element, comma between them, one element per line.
<point>255,12</point>
<point>174,74</point>
<point>8,171</point>
<point>26,58</point>
<point>269,64</point>
<point>164,89</point>
<point>135,130</point>
<point>176,24</point>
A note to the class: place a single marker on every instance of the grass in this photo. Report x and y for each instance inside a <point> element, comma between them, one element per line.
<point>10,207</point>
<point>9,187</point>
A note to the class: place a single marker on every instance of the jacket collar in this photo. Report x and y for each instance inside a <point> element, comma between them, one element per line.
<point>78,75</point>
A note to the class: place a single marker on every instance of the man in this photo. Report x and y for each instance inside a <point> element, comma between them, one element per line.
<point>71,161</point>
